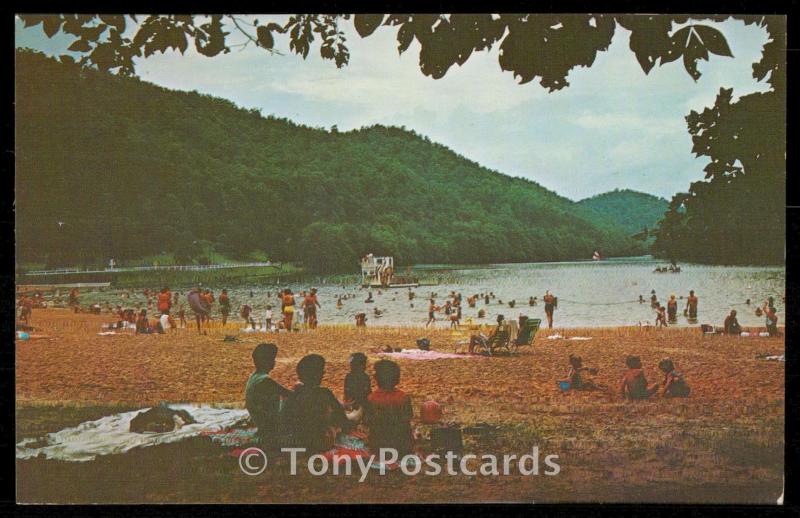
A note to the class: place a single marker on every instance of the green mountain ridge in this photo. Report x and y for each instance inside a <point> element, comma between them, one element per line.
<point>631,210</point>
<point>131,169</point>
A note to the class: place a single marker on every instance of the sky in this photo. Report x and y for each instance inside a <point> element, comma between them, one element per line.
<point>613,127</point>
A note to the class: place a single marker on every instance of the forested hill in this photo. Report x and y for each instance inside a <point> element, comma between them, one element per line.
<point>130,169</point>
<point>629,209</point>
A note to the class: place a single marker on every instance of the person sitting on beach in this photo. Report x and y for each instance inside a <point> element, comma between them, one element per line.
<point>674,384</point>
<point>357,385</point>
<point>263,395</point>
<point>312,413</point>
<point>142,324</point>
<point>731,325</point>
<point>574,377</point>
<point>483,341</point>
<point>634,385</point>
<point>389,412</point>
<point>771,317</point>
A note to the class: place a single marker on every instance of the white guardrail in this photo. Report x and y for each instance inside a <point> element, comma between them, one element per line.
<point>185,267</point>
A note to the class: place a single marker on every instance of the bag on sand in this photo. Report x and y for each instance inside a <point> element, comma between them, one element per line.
<point>424,344</point>
<point>446,439</point>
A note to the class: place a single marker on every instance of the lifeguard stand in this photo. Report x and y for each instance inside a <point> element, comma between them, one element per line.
<point>376,271</point>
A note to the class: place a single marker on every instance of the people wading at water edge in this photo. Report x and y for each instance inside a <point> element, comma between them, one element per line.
<point>691,305</point>
<point>310,305</point>
<point>432,309</point>
<point>672,309</point>
<point>287,309</point>
<point>549,307</point>
<point>164,301</point>
<point>224,306</point>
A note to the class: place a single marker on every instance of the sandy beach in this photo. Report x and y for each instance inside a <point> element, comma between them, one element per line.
<point>723,444</point>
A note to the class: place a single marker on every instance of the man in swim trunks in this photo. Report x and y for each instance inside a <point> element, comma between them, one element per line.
<point>691,305</point>
<point>310,305</point>
<point>224,306</point>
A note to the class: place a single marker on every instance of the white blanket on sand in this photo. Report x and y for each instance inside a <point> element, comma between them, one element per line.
<point>111,434</point>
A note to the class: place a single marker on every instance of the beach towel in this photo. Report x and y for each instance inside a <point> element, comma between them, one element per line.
<point>771,358</point>
<point>111,435</point>
<point>418,354</point>
<point>578,338</point>
<point>233,437</point>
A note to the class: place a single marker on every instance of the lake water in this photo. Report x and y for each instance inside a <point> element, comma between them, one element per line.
<point>603,293</point>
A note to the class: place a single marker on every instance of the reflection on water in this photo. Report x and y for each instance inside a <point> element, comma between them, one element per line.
<point>589,293</point>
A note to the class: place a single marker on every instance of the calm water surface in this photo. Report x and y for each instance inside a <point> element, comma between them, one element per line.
<point>589,294</point>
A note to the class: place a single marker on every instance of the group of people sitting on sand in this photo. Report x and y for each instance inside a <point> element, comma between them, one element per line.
<point>634,385</point>
<point>731,324</point>
<point>309,416</point>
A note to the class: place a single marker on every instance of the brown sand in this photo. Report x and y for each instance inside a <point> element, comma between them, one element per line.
<point>736,405</point>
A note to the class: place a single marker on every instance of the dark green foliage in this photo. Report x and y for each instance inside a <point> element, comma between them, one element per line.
<point>133,169</point>
<point>543,46</point>
<point>634,211</point>
<point>737,215</point>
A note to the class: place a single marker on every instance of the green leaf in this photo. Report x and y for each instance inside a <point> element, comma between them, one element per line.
<point>51,25</point>
<point>713,40</point>
<point>264,37</point>
<point>405,35</point>
<point>79,46</point>
<point>367,23</point>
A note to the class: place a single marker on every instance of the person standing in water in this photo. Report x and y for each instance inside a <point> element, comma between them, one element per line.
<point>310,305</point>
<point>224,306</point>
<point>549,307</point>
<point>691,305</point>
<point>672,309</point>
<point>431,313</point>
<point>287,309</point>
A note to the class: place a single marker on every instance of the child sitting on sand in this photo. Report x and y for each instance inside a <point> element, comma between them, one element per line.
<point>674,384</point>
<point>263,395</point>
<point>389,412</point>
<point>634,384</point>
<point>142,324</point>
<point>574,377</point>
<point>357,385</point>
<point>312,413</point>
